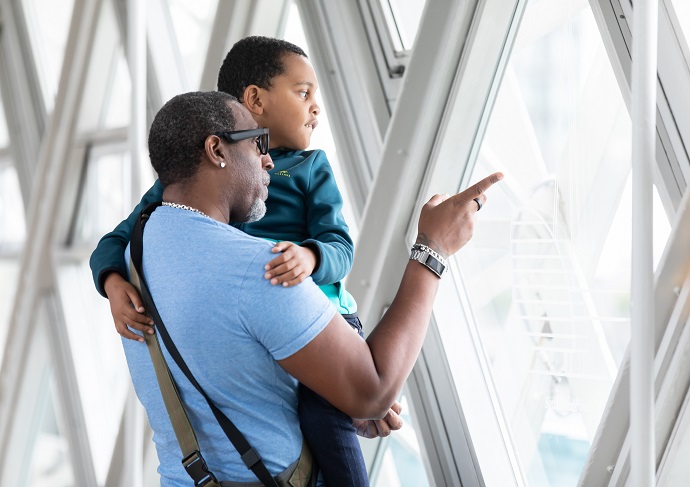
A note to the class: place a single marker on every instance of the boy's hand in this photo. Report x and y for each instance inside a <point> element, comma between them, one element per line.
<point>372,428</point>
<point>126,307</point>
<point>293,266</point>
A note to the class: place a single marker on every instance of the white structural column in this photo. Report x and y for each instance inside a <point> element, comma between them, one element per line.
<point>136,58</point>
<point>643,83</point>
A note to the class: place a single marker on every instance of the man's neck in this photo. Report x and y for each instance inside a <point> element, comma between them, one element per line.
<point>195,199</point>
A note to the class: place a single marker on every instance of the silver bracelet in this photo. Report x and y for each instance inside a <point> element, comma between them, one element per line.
<point>429,258</point>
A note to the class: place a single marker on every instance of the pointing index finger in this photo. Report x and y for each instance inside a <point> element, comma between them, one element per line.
<point>480,187</point>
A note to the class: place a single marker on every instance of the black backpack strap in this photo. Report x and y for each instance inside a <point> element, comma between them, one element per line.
<point>249,455</point>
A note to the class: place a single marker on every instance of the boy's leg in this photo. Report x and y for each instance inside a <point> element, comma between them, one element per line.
<point>331,436</point>
<point>332,440</point>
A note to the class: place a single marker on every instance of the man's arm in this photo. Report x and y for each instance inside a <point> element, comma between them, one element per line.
<point>363,378</point>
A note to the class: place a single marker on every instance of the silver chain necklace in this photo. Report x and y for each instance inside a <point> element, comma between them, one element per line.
<point>185,207</point>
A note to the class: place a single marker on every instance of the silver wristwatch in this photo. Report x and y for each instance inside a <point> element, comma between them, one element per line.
<point>429,258</point>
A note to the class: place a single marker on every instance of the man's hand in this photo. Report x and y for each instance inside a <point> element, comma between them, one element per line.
<point>372,428</point>
<point>126,307</point>
<point>293,266</point>
<point>447,222</point>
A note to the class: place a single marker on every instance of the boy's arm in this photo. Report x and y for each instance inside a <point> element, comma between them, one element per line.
<point>109,255</point>
<point>330,238</point>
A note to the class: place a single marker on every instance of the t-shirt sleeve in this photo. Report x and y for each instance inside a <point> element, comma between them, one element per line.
<point>283,319</point>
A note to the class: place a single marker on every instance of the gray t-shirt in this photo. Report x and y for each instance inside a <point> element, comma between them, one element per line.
<point>230,326</point>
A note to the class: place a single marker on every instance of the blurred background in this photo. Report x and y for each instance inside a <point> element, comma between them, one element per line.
<point>523,379</point>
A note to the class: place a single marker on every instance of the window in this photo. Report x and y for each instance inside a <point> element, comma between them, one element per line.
<point>402,19</point>
<point>105,197</point>
<point>193,22</point>
<point>322,137</point>
<point>682,8</point>
<point>48,23</point>
<point>546,276</point>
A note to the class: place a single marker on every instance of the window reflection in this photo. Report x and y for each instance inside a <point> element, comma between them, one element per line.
<point>547,272</point>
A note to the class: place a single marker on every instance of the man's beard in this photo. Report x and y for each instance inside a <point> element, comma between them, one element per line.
<point>257,211</point>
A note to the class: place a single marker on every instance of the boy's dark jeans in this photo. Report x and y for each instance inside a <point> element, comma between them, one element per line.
<point>331,436</point>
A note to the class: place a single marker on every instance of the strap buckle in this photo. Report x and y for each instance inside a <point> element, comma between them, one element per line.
<point>195,466</point>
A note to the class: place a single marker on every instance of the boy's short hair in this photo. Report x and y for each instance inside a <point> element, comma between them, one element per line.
<point>179,129</point>
<point>254,60</point>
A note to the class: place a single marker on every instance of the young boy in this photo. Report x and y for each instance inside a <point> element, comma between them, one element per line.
<point>277,84</point>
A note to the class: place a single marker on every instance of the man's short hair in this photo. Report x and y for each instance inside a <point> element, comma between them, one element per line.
<point>254,60</point>
<point>179,129</point>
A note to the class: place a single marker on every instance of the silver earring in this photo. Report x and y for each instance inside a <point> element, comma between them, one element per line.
<point>222,164</point>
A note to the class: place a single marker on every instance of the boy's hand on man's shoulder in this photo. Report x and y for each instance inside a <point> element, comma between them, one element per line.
<point>292,266</point>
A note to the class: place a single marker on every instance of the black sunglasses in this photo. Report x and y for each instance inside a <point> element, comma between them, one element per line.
<point>261,135</point>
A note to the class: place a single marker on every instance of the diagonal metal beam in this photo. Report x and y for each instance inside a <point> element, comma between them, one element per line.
<point>21,94</point>
<point>409,141</point>
<point>36,276</point>
<point>234,20</point>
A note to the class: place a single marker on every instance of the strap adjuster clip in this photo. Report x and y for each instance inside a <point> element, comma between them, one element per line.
<point>195,466</point>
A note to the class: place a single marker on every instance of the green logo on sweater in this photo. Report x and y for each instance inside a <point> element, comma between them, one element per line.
<point>283,173</point>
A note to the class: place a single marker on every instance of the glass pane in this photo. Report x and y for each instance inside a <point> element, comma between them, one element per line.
<point>4,135</point>
<point>547,273</point>
<point>105,196</point>
<point>400,462</point>
<point>48,23</point>
<point>12,220</point>
<point>193,22</point>
<point>99,361</point>
<point>402,19</point>
<point>49,465</point>
<point>117,108</point>
<point>12,236</point>
<point>682,8</point>
<point>9,270</point>
<point>322,137</point>
<point>106,96</point>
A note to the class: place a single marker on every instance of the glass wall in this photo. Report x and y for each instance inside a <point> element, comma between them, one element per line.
<point>48,24</point>
<point>546,277</point>
<point>12,229</point>
<point>541,293</point>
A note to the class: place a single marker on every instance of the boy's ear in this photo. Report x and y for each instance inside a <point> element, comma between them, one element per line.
<point>252,99</point>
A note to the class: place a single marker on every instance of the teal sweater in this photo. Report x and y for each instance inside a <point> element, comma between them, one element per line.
<point>304,205</point>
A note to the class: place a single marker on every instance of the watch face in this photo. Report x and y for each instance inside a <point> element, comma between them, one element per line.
<point>429,261</point>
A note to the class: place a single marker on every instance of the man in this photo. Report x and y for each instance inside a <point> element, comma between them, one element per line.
<point>248,342</point>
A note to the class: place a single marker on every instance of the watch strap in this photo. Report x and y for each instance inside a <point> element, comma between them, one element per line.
<point>429,258</point>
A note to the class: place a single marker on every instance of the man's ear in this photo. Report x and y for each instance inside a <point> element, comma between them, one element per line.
<point>215,151</point>
<point>252,100</point>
